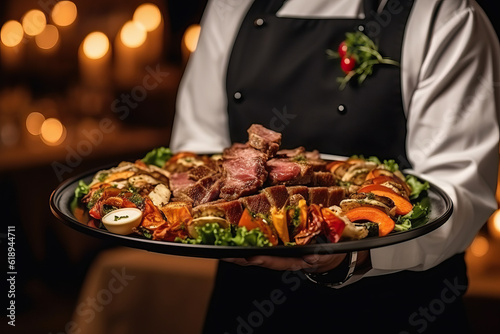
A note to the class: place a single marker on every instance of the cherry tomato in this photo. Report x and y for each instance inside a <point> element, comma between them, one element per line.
<point>342,49</point>
<point>347,64</point>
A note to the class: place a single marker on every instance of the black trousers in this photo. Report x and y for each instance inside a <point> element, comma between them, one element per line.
<point>250,300</point>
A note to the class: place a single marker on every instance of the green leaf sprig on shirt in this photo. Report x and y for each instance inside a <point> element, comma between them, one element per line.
<point>358,55</point>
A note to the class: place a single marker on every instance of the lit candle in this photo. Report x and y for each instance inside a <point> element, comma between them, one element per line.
<point>149,16</point>
<point>94,57</point>
<point>190,41</point>
<point>11,37</point>
<point>130,50</point>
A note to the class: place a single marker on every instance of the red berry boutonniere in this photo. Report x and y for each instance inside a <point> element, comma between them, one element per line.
<point>358,54</point>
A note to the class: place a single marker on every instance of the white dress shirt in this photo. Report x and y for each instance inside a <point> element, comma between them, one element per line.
<point>450,72</point>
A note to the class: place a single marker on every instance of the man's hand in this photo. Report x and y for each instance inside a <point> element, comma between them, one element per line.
<point>311,263</point>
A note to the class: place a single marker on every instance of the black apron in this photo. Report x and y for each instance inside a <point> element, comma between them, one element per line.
<point>279,76</point>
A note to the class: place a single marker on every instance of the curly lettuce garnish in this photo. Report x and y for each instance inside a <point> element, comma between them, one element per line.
<point>213,234</point>
<point>158,156</point>
<point>417,187</point>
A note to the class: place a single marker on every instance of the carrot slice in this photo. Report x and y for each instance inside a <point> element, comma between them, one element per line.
<point>403,206</point>
<point>385,223</point>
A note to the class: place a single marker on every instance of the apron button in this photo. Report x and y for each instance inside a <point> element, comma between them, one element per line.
<point>361,28</point>
<point>258,22</point>
<point>342,109</point>
<point>238,97</point>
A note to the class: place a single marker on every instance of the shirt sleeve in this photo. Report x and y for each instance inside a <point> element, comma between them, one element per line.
<point>452,132</point>
<point>200,122</point>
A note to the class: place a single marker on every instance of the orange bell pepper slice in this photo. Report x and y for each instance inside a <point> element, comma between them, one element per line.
<point>385,223</point>
<point>403,206</point>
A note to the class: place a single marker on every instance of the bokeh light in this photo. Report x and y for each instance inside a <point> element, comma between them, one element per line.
<point>133,34</point>
<point>64,13</point>
<point>12,33</point>
<point>52,131</point>
<point>190,38</point>
<point>34,22</point>
<point>48,38</point>
<point>34,123</point>
<point>479,246</point>
<point>494,225</point>
<point>95,45</point>
<point>148,15</point>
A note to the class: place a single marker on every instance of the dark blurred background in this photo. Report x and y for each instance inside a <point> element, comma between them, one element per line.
<point>69,103</point>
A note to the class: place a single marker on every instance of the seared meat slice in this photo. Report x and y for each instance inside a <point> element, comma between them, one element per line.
<point>323,179</point>
<point>264,140</point>
<point>277,195</point>
<point>335,195</point>
<point>199,172</point>
<point>313,158</point>
<point>244,171</point>
<point>319,196</point>
<point>299,151</point>
<point>299,190</point>
<point>256,203</point>
<point>179,182</point>
<point>288,172</point>
<point>203,191</point>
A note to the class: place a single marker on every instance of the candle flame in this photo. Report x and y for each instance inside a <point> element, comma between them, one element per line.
<point>12,33</point>
<point>148,15</point>
<point>64,13</point>
<point>95,45</point>
<point>133,34</point>
<point>34,22</point>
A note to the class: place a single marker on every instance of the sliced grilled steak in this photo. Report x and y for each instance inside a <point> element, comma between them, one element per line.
<point>318,195</point>
<point>264,140</point>
<point>299,190</point>
<point>299,151</point>
<point>277,195</point>
<point>199,172</point>
<point>256,203</point>
<point>203,191</point>
<point>288,172</point>
<point>180,181</point>
<point>244,172</point>
<point>323,179</point>
<point>335,195</point>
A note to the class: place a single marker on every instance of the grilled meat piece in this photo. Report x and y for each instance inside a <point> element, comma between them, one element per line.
<point>264,140</point>
<point>244,171</point>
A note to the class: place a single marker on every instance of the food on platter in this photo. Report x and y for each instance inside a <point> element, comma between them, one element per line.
<point>253,194</point>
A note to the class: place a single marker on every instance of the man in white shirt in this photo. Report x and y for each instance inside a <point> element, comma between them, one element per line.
<point>444,121</point>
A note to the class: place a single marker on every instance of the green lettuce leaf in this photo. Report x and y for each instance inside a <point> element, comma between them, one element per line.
<point>158,156</point>
<point>213,234</point>
<point>81,190</point>
<point>417,217</point>
<point>416,186</point>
